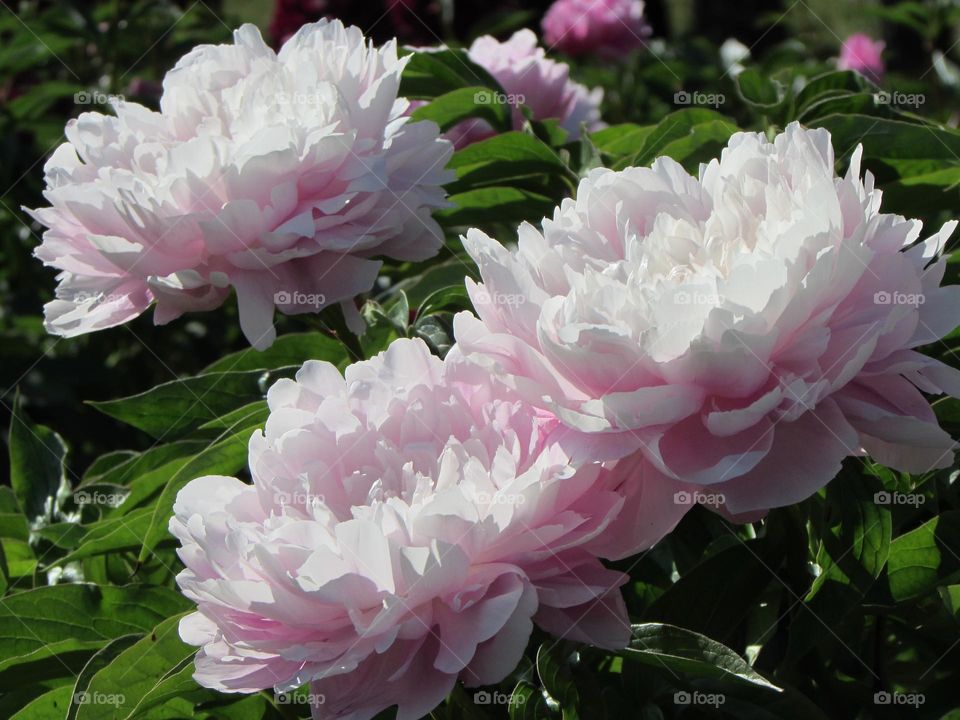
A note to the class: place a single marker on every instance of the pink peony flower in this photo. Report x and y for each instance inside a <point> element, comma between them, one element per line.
<point>745,330</point>
<point>406,526</point>
<point>608,28</point>
<point>280,175</point>
<point>864,54</point>
<point>530,78</point>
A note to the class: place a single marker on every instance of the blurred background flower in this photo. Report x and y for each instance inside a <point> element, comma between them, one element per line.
<point>608,28</point>
<point>864,54</point>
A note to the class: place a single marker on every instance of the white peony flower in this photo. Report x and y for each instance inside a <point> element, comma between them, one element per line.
<point>281,175</point>
<point>746,329</point>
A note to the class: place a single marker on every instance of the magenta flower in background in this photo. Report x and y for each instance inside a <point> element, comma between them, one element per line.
<point>608,28</point>
<point>407,525</point>
<point>281,176</point>
<point>745,330</point>
<point>290,15</point>
<point>530,78</point>
<point>864,54</point>
<point>410,21</point>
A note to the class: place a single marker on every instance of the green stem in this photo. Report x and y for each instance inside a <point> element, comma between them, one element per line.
<point>334,319</point>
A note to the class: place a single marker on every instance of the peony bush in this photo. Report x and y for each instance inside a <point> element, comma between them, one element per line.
<point>612,376</point>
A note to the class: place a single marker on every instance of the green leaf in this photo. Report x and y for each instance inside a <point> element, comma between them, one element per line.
<point>123,533</point>
<point>853,546</point>
<point>855,549</point>
<point>510,158</point>
<point>745,576</point>
<point>4,572</point>
<point>287,351</point>
<point>916,164</point>
<point>864,103</point>
<point>436,279</point>
<point>437,331</point>
<point>52,705</point>
<point>146,486</point>
<point>690,653</point>
<point>399,313</point>
<point>469,102</point>
<point>63,535</point>
<point>922,558</point>
<point>619,140</point>
<point>155,669</point>
<point>82,697</point>
<point>557,680</point>
<point>138,464</point>
<point>675,126</point>
<point>495,204</point>
<point>225,457</point>
<point>759,89</point>
<point>21,560</point>
<point>49,621</point>
<point>527,703</point>
<point>37,470</point>
<point>9,505</point>
<point>229,707</point>
<point>453,297</point>
<point>703,143</point>
<point>431,74</point>
<point>830,85</point>
<point>380,332</point>
<point>254,414</point>
<point>950,594</point>
<point>13,524</point>
<point>106,462</point>
<point>171,410</point>
<point>240,422</point>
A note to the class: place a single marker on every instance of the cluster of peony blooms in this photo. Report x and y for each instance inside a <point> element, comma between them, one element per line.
<point>281,175</point>
<point>410,521</point>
